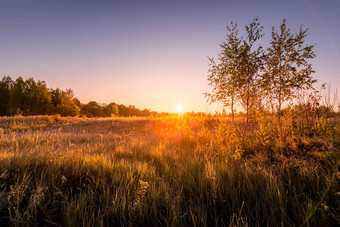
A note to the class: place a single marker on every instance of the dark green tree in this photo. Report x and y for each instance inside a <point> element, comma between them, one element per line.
<point>5,88</point>
<point>37,96</point>
<point>17,97</point>
<point>93,109</point>
<point>56,96</point>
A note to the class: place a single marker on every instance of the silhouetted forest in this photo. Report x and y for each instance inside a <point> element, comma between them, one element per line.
<point>30,97</point>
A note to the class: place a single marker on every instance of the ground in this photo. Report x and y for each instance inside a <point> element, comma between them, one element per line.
<point>168,171</point>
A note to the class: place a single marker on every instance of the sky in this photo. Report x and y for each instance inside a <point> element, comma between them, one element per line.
<point>148,53</point>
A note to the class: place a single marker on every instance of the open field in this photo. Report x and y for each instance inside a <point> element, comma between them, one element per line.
<point>174,171</point>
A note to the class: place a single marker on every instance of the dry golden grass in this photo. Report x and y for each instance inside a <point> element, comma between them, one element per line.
<point>164,172</point>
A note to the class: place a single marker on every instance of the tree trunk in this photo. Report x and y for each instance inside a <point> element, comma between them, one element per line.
<point>232,109</point>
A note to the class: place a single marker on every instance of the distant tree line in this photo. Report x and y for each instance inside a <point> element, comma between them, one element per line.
<point>30,97</point>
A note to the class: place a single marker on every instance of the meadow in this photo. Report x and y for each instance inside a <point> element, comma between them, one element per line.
<point>169,171</point>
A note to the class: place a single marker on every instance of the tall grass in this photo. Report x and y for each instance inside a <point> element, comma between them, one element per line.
<point>188,171</point>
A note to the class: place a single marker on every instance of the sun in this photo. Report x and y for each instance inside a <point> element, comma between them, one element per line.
<point>179,109</point>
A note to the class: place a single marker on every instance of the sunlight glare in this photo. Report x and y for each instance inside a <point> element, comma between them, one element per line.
<point>179,109</point>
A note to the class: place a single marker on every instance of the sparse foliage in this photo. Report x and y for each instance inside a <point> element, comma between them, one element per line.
<point>246,74</point>
<point>287,68</point>
<point>235,78</point>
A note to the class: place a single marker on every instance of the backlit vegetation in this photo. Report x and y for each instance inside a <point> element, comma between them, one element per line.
<point>191,170</point>
<point>274,164</point>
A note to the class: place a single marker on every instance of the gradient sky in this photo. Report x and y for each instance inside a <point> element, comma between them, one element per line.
<point>151,54</point>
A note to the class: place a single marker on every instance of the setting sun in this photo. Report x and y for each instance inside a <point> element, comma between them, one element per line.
<point>179,108</point>
<point>156,113</point>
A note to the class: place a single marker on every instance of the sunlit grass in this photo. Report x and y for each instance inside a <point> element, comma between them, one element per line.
<point>164,171</point>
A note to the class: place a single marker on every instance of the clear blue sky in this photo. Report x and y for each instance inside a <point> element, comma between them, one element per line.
<point>152,54</point>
